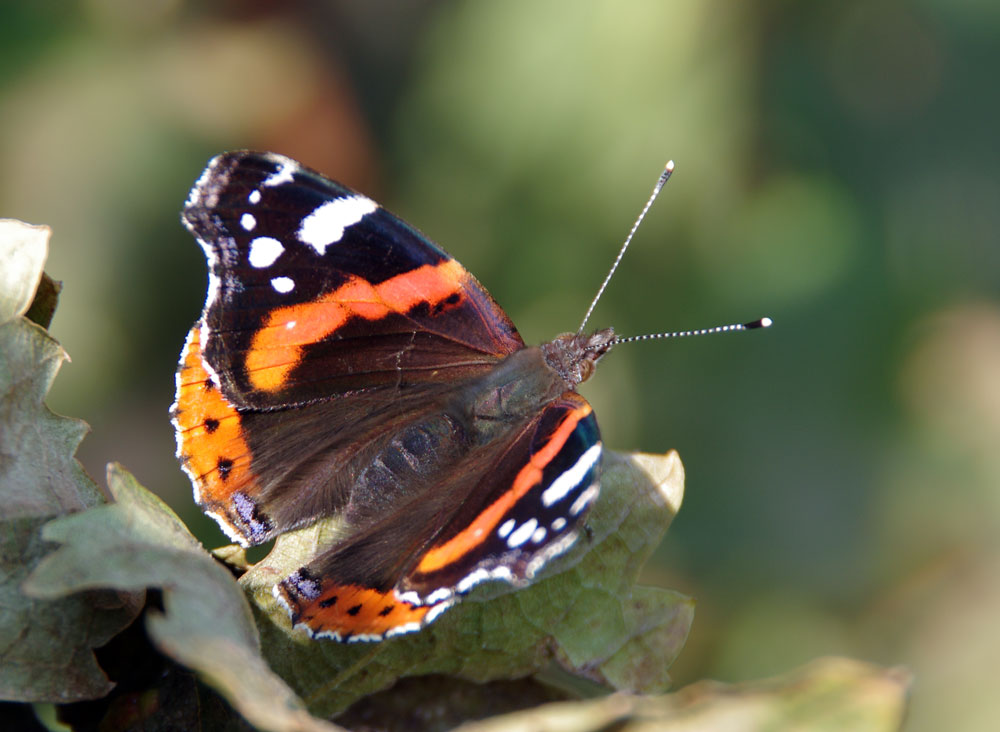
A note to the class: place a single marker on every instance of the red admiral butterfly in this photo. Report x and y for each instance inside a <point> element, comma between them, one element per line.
<point>345,365</point>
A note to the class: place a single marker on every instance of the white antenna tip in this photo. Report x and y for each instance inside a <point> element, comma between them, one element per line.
<point>762,323</point>
<point>660,182</point>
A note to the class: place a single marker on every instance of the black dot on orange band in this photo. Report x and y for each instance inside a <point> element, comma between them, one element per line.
<point>209,386</point>
<point>224,466</point>
<point>446,304</point>
<point>354,610</point>
<point>328,602</point>
<point>211,425</point>
<point>386,610</point>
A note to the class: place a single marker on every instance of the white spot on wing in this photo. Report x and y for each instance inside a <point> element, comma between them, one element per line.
<point>437,596</point>
<point>506,527</point>
<point>284,285</point>
<point>254,197</point>
<point>248,222</point>
<point>326,225</point>
<point>497,573</point>
<point>554,549</point>
<point>409,596</point>
<point>471,580</point>
<point>264,250</point>
<point>435,612</point>
<point>522,533</point>
<point>570,479</point>
<point>286,167</point>
<point>559,524</point>
<point>365,638</point>
<point>584,500</point>
<point>539,535</point>
<point>401,629</point>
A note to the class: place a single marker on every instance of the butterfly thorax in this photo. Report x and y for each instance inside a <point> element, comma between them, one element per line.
<point>515,389</point>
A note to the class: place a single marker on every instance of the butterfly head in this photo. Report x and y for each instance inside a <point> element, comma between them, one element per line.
<point>574,356</point>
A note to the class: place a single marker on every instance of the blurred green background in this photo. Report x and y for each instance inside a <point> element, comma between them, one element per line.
<point>836,170</point>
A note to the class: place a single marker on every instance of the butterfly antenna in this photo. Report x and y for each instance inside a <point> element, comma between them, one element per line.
<point>664,177</point>
<point>761,323</point>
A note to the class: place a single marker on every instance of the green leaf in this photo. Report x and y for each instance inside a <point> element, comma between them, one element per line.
<point>831,694</point>
<point>23,250</point>
<point>138,542</point>
<point>584,614</point>
<point>38,474</point>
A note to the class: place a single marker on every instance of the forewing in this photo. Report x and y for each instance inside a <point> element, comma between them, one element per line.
<point>316,291</point>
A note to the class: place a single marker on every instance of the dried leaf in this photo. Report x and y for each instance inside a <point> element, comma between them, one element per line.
<point>138,542</point>
<point>23,250</point>
<point>46,646</point>
<point>830,694</point>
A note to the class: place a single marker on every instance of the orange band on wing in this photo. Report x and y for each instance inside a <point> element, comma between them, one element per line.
<point>350,610</point>
<point>277,346</point>
<point>209,441</point>
<point>528,477</point>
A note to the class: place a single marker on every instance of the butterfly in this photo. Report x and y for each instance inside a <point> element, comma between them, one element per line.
<point>345,365</point>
